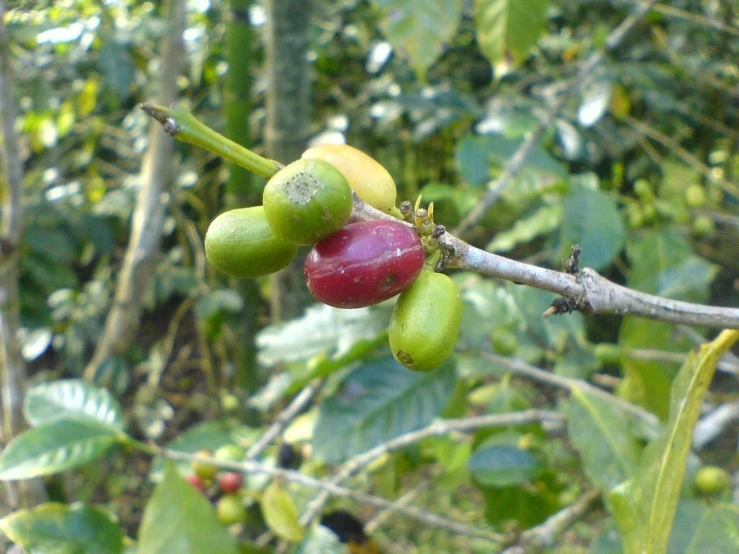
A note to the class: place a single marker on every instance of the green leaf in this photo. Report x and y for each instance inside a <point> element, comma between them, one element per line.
<point>712,529</point>
<point>376,403</point>
<point>208,435</point>
<point>280,513</point>
<point>603,436</point>
<point>72,398</point>
<point>180,519</point>
<point>322,330</point>
<point>591,220</point>
<point>56,447</point>
<point>508,29</point>
<point>418,29</point>
<point>544,220</point>
<point>644,506</point>
<point>475,155</point>
<point>320,540</point>
<point>55,528</point>
<point>501,465</point>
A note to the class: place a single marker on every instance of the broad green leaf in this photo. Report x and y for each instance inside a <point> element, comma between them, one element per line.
<point>418,29</point>
<point>644,506</point>
<point>716,530</point>
<point>180,519</point>
<point>322,330</point>
<point>56,447</point>
<point>500,465</point>
<point>591,220</point>
<point>280,513</point>
<point>524,505</point>
<point>544,220</point>
<point>208,435</point>
<point>320,540</point>
<point>603,436</point>
<point>55,528</point>
<point>508,29</point>
<point>71,398</point>
<point>378,402</point>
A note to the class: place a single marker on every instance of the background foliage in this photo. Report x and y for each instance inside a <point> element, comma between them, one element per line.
<point>640,169</point>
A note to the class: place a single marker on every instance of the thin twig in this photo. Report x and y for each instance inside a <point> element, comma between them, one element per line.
<point>695,18</point>
<point>435,429</point>
<point>683,154</point>
<point>522,368</point>
<point>545,534</point>
<point>284,418</point>
<point>290,476</point>
<point>516,162</point>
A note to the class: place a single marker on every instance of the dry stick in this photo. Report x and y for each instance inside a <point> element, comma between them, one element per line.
<point>290,476</point>
<point>437,428</point>
<point>148,217</point>
<point>516,162</point>
<point>545,534</point>
<point>284,418</point>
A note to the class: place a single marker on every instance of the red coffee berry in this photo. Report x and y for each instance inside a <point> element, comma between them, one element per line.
<point>230,482</point>
<point>364,263</point>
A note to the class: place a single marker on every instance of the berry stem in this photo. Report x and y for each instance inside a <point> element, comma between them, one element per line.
<point>182,125</point>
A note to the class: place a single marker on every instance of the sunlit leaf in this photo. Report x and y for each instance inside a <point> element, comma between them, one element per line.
<point>178,518</point>
<point>419,30</point>
<point>55,447</point>
<point>644,506</point>
<point>280,513</point>
<point>71,398</point>
<point>63,529</point>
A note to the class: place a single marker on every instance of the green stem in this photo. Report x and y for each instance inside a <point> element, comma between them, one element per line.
<point>182,125</point>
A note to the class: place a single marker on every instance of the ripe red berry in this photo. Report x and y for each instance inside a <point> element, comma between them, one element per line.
<point>196,482</point>
<point>230,482</point>
<point>364,263</point>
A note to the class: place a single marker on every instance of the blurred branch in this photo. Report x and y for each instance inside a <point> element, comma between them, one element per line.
<point>545,534</point>
<point>12,366</point>
<point>438,428</point>
<point>520,367</point>
<point>517,161</point>
<point>683,154</point>
<point>148,218</point>
<point>697,19</point>
<point>301,400</point>
<point>585,291</point>
<point>425,517</point>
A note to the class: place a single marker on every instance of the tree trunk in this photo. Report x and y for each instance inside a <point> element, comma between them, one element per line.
<point>148,218</point>
<point>12,367</point>
<point>288,116</point>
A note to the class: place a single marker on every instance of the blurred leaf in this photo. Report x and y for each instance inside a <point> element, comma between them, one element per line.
<point>280,513</point>
<point>62,529</point>
<point>644,506</point>
<point>320,540</point>
<point>500,465</point>
<point>55,447</point>
<point>596,98</point>
<point>475,155</point>
<point>699,529</point>
<point>36,343</point>
<point>544,220</point>
<point>523,506</point>
<point>72,398</point>
<point>322,330</point>
<point>55,245</point>
<point>508,29</point>
<point>591,220</point>
<point>379,401</point>
<point>178,518</point>
<point>215,301</point>
<point>419,30</point>
<point>115,63</point>
<point>603,436</point>
<point>208,435</point>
